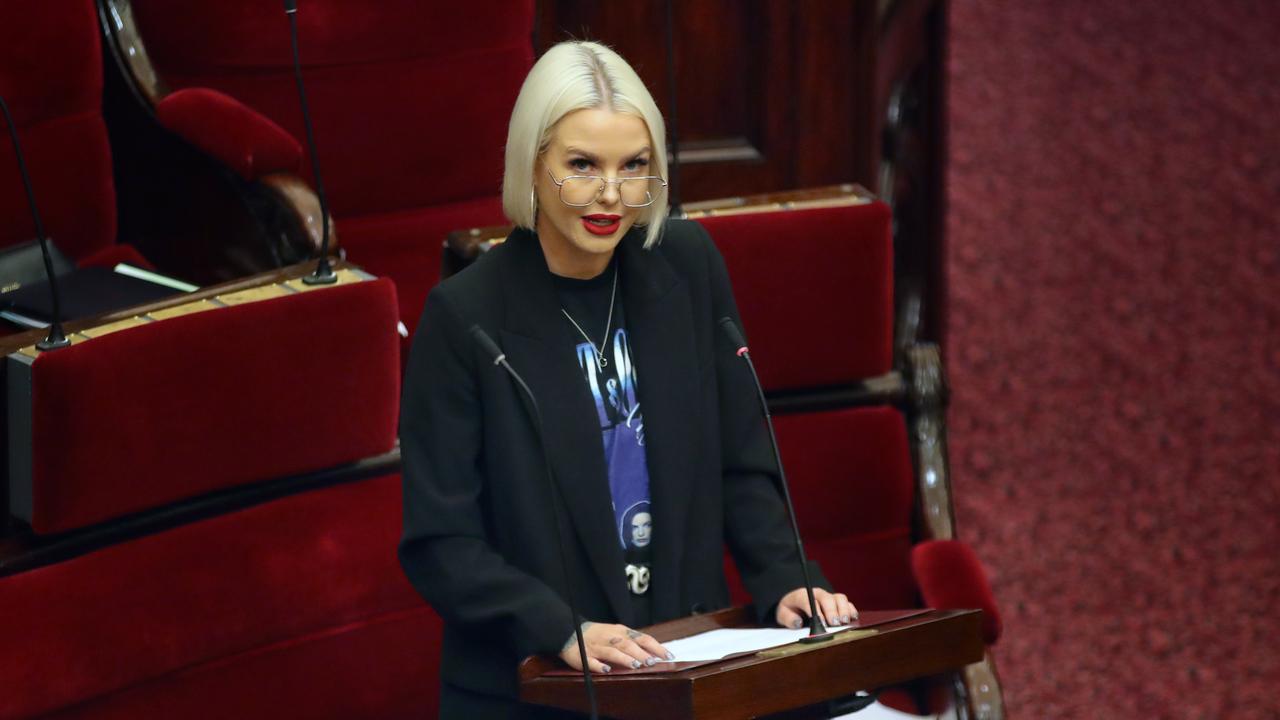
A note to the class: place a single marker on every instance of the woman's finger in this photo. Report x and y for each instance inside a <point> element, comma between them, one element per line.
<point>598,666</point>
<point>787,617</point>
<point>635,652</point>
<point>826,606</point>
<point>616,658</point>
<point>848,613</point>
<point>651,645</point>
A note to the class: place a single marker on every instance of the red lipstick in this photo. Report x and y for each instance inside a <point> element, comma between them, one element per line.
<point>601,224</point>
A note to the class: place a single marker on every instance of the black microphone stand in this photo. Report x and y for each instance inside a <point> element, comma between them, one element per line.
<point>531,406</point>
<point>323,274</point>
<point>676,210</point>
<point>56,338</point>
<point>817,632</point>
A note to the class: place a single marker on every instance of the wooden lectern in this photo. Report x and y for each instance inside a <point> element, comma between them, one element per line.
<point>783,679</point>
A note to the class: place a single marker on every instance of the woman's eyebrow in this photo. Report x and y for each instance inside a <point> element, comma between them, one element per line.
<point>587,155</point>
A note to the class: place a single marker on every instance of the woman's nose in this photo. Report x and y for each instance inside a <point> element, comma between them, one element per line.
<point>611,194</point>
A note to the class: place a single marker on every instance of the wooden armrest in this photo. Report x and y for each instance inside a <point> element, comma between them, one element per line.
<point>927,428</point>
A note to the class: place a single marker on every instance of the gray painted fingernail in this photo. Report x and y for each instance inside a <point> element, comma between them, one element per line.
<point>795,624</point>
<point>670,656</point>
<point>635,663</point>
<point>649,661</point>
<point>606,668</point>
<point>845,619</point>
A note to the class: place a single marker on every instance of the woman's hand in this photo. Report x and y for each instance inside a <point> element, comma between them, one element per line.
<point>610,646</point>
<point>835,608</point>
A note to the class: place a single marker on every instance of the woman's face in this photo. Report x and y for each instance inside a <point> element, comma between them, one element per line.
<point>578,241</point>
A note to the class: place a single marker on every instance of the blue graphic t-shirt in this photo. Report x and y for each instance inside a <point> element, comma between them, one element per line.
<point>611,377</point>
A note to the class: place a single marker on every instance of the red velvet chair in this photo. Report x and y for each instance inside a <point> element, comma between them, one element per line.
<point>862,434</point>
<point>51,77</point>
<point>410,102</point>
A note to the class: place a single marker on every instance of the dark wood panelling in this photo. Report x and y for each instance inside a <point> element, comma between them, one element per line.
<point>775,95</point>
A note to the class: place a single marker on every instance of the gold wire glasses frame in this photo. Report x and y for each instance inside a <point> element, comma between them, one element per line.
<point>591,187</point>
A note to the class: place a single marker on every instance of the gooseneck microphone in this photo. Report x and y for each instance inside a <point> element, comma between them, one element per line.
<point>816,631</point>
<point>495,353</point>
<point>56,338</point>
<point>323,274</point>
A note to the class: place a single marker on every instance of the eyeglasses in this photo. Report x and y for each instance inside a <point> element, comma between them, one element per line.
<point>583,190</point>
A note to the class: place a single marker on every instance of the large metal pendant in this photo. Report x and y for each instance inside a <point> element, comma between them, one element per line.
<point>604,361</point>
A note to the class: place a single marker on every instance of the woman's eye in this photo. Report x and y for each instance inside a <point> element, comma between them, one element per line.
<point>636,165</point>
<point>580,164</point>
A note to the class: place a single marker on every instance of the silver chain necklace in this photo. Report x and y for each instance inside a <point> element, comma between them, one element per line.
<point>604,362</point>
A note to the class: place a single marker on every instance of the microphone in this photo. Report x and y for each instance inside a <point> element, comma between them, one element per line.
<point>56,338</point>
<point>816,631</point>
<point>323,274</point>
<point>495,353</point>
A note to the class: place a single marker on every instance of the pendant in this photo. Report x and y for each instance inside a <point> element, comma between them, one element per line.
<point>604,361</point>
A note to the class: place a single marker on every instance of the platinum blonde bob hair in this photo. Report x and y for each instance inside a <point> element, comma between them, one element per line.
<point>573,76</point>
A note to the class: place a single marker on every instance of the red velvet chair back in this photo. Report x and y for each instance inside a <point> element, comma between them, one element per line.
<point>51,77</point>
<point>815,291</point>
<point>410,102</point>
<point>146,416</point>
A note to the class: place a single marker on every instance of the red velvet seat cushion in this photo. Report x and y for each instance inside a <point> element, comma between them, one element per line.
<point>851,480</point>
<point>815,291</point>
<point>239,137</point>
<point>300,600</point>
<point>154,414</point>
<point>51,78</point>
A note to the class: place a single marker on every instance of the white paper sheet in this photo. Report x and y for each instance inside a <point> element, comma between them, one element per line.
<point>715,644</point>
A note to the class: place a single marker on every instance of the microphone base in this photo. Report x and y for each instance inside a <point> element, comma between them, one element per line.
<point>324,275</point>
<point>814,639</point>
<point>54,341</point>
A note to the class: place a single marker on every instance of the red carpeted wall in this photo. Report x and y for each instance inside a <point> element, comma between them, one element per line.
<point>174,409</point>
<point>51,78</point>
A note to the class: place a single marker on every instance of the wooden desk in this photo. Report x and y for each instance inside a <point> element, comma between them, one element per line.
<point>752,686</point>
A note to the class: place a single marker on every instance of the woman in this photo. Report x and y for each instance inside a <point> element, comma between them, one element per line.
<point>610,314</point>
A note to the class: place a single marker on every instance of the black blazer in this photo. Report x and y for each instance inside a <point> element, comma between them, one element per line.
<point>479,537</point>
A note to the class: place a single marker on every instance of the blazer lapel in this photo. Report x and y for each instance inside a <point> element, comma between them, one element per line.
<point>540,347</point>
<point>660,328</point>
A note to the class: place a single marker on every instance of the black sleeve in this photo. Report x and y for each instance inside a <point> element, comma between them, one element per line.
<point>756,524</point>
<point>445,551</point>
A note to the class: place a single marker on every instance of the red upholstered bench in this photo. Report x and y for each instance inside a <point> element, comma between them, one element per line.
<point>149,577</point>
<point>132,418</point>
<point>294,608</point>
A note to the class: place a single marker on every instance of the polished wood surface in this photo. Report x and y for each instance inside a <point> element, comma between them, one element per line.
<point>14,343</point>
<point>751,686</point>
